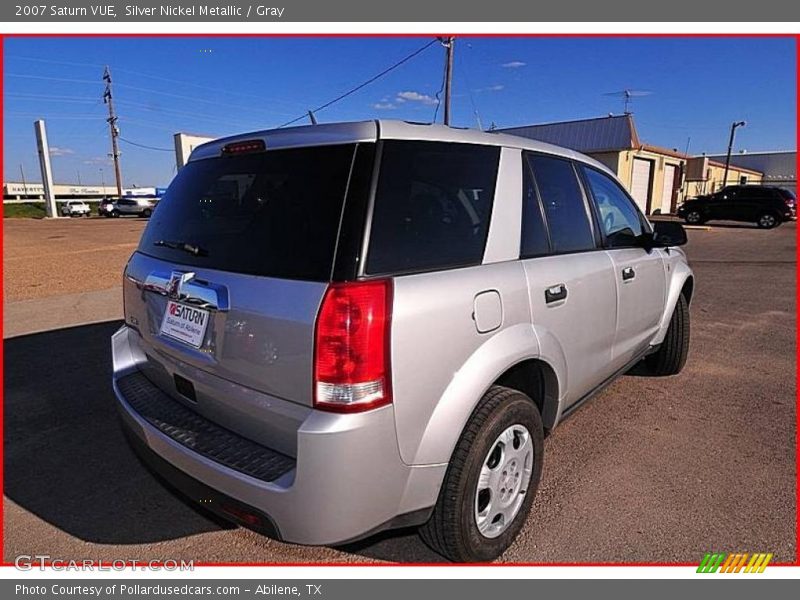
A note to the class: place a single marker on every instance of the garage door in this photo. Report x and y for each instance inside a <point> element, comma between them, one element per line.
<point>666,191</point>
<point>640,188</point>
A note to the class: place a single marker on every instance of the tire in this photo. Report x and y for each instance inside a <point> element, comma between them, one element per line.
<point>694,217</point>
<point>670,357</point>
<point>453,529</point>
<point>146,213</point>
<point>115,213</point>
<point>767,220</point>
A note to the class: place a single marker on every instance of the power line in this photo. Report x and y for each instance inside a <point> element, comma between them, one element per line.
<point>56,62</point>
<point>48,78</point>
<point>439,93</point>
<point>179,113</point>
<point>145,145</point>
<point>194,98</point>
<point>76,99</point>
<point>364,84</point>
<point>148,90</point>
<point>155,77</point>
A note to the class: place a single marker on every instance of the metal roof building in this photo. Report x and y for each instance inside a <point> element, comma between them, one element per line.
<point>654,176</point>
<point>779,168</point>
<point>600,134</point>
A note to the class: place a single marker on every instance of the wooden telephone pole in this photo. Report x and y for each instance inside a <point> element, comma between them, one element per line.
<point>449,43</point>
<point>112,125</point>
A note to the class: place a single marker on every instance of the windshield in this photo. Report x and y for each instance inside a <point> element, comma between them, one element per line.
<point>273,213</point>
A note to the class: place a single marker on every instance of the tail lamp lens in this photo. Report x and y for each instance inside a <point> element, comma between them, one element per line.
<point>351,354</point>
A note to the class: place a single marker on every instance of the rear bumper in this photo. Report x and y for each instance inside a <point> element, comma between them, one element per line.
<point>347,479</point>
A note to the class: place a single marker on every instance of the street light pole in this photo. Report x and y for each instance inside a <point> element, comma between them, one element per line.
<point>734,125</point>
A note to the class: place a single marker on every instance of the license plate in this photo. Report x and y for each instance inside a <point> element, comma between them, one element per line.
<point>185,323</point>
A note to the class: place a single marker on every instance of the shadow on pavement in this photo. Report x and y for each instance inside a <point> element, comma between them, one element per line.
<point>66,458</point>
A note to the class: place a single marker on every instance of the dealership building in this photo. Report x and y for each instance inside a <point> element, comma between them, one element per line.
<point>18,191</point>
<point>657,178</point>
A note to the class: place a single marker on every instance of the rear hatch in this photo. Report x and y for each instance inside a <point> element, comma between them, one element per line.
<point>232,267</point>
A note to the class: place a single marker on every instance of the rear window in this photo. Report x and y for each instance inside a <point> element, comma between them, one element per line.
<point>787,194</point>
<point>273,214</point>
<point>432,206</point>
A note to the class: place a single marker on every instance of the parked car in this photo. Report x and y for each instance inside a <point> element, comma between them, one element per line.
<point>75,208</point>
<point>765,206</point>
<point>343,328</point>
<point>105,207</point>
<point>133,205</point>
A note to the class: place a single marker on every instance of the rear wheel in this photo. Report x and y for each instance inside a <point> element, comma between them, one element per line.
<point>146,213</point>
<point>491,480</point>
<point>694,217</point>
<point>767,220</point>
<point>670,357</point>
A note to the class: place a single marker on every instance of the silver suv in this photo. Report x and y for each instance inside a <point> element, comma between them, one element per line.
<point>338,329</point>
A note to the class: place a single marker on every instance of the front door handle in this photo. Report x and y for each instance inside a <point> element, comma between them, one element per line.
<point>628,273</point>
<point>555,293</point>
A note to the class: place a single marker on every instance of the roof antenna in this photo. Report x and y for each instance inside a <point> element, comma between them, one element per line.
<point>312,117</point>
<point>627,96</point>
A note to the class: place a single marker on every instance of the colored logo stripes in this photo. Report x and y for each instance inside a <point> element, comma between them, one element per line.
<point>734,563</point>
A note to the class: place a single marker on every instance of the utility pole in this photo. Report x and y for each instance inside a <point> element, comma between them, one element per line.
<point>112,125</point>
<point>24,183</point>
<point>47,173</point>
<point>449,43</point>
<point>734,125</point>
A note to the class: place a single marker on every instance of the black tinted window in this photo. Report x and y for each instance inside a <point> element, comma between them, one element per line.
<point>757,193</point>
<point>432,206</point>
<point>567,217</point>
<point>534,241</point>
<point>620,221</point>
<point>274,213</point>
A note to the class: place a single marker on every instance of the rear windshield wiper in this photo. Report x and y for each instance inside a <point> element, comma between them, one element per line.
<point>186,247</point>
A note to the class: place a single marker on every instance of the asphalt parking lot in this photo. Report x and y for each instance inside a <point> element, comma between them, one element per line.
<point>652,470</point>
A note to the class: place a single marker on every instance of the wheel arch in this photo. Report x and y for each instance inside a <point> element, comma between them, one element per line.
<point>513,358</point>
<point>681,283</point>
<point>537,379</point>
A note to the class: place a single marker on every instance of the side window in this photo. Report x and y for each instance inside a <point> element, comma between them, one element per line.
<point>564,207</point>
<point>534,240</point>
<point>432,206</point>
<point>620,221</point>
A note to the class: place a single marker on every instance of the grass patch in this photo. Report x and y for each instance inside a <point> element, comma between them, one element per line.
<point>28,210</point>
<point>34,210</point>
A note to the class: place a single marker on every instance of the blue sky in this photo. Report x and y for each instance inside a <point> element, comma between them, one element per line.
<point>219,86</point>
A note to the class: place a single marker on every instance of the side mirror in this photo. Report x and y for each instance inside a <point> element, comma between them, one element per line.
<point>668,233</point>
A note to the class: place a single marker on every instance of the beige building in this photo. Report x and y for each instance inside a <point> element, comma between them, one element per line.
<point>657,178</point>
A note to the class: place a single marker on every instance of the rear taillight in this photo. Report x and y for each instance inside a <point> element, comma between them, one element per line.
<point>351,351</point>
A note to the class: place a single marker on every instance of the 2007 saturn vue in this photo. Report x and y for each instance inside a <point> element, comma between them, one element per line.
<point>392,317</point>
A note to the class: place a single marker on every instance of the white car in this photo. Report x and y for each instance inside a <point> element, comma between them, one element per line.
<point>75,208</point>
<point>141,206</point>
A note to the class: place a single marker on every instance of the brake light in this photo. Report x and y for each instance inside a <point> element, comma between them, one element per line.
<point>351,351</point>
<point>244,147</point>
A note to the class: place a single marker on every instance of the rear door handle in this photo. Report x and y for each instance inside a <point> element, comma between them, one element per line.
<point>555,293</point>
<point>628,273</point>
<point>184,287</point>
